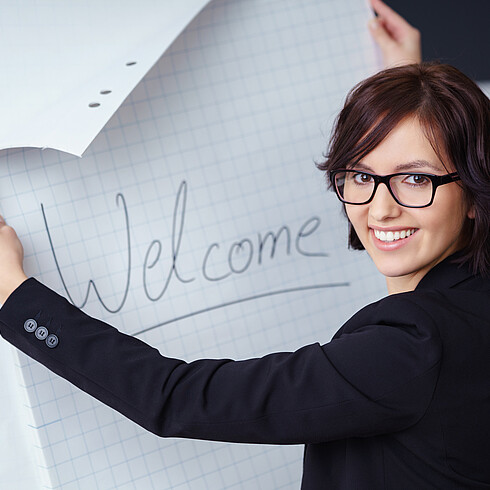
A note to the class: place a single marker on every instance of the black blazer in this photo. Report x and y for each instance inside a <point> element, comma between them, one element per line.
<point>399,399</point>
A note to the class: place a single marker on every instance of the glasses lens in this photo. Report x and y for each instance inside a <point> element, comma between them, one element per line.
<point>354,187</point>
<point>412,189</point>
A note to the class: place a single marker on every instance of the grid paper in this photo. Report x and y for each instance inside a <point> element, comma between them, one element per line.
<point>213,151</point>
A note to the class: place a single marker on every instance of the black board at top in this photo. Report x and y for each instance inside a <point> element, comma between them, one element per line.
<point>453,32</point>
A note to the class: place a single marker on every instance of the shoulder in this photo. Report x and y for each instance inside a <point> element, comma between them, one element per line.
<point>448,291</point>
<point>389,344</point>
<point>408,311</point>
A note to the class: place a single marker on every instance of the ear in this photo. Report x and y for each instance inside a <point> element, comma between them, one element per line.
<point>471,212</point>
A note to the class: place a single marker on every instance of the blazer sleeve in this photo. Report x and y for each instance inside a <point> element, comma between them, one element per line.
<point>376,376</point>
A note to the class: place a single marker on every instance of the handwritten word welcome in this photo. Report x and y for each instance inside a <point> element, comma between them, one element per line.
<point>239,255</point>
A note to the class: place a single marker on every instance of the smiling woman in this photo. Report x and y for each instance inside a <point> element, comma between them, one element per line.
<point>432,222</point>
<point>422,131</point>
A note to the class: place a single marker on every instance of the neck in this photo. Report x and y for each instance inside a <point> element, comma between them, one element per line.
<point>402,284</point>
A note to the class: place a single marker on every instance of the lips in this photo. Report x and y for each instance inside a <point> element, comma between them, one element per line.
<point>393,236</point>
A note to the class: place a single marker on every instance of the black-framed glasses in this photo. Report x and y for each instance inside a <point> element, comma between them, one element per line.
<point>410,189</point>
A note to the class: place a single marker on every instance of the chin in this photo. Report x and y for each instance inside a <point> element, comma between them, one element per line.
<point>393,271</point>
<point>394,267</point>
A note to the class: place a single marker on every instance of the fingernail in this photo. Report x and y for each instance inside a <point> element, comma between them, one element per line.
<point>373,24</point>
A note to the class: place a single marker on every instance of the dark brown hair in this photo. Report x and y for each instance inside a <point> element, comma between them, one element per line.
<point>455,116</point>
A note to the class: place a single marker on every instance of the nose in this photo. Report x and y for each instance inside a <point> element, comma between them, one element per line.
<point>383,206</point>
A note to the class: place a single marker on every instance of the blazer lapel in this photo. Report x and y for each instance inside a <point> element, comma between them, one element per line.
<point>446,274</point>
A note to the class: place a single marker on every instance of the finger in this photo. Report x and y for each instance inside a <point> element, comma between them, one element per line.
<point>393,20</point>
<point>2,220</point>
<point>379,33</point>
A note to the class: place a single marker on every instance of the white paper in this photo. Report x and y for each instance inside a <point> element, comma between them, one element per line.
<point>58,56</point>
<point>18,463</point>
<point>219,141</point>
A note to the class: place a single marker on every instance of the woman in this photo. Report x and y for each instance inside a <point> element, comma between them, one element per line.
<point>400,398</point>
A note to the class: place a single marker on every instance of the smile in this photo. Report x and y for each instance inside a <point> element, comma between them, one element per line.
<point>392,236</point>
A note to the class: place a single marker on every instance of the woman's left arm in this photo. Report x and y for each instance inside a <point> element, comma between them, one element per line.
<point>400,42</point>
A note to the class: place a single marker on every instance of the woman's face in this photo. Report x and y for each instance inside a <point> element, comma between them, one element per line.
<point>435,232</point>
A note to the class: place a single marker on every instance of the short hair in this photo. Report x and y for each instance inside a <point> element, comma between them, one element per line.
<point>455,116</point>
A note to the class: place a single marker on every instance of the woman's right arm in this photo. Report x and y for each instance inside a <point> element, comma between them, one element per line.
<point>377,376</point>
<point>372,378</point>
<point>11,261</point>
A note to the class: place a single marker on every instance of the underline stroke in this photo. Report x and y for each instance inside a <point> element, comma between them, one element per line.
<point>242,300</point>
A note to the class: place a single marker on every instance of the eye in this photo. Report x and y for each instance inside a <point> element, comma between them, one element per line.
<point>417,180</point>
<point>360,178</point>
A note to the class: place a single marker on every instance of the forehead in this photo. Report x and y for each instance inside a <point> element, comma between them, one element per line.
<point>405,148</point>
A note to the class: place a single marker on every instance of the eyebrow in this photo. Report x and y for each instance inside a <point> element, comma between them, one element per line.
<point>402,167</point>
<point>417,164</point>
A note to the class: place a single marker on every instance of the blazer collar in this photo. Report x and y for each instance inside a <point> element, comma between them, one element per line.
<point>445,274</point>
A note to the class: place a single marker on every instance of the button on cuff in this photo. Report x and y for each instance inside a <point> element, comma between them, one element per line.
<point>52,341</point>
<point>41,333</point>
<point>30,325</point>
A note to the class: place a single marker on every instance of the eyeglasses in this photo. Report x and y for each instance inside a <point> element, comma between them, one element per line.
<point>412,190</point>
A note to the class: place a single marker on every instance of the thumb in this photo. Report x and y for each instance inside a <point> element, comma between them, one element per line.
<point>379,33</point>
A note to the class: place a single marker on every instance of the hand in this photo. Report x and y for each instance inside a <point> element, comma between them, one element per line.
<point>11,257</point>
<point>399,41</point>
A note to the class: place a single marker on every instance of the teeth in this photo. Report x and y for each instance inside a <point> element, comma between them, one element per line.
<point>390,236</point>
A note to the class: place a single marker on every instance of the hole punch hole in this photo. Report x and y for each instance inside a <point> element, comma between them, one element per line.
<point>131,63</point>
<point>94,104</point>
<point>105,92</point>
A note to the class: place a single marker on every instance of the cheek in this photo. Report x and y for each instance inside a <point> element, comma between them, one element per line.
<point>453,208</point>
<point>449,215</point>
<point>351,213</point>
<point>357,215</point>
